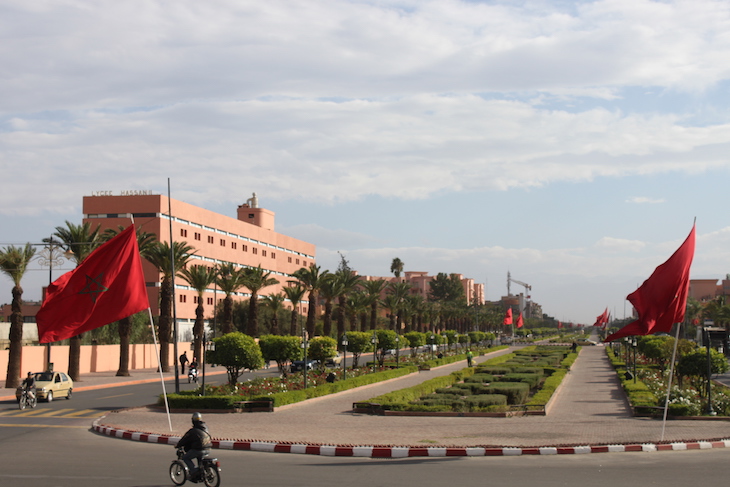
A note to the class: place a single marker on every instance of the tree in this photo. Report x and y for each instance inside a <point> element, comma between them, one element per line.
<point>294,294</point>
<point>329,290</point>
<point>311,278</point>
<point>229,281</point>
<point>373,290</point>
<point>165,259</point>
<point>694,366</point>
<point>79,241</point>
<point>347,281</point>
<point>275,303</point>
<point>255,279</point>
<point>200,278</point>
<point>415,339</point>
<point>358,342</point>
<point>322,348</point>
<point>386,341</point>
<point>14,263</point>
<point>400,291</point>
<point>281,349</point>
<point>396,267</point>
<point>236,352</point>
<point>145,241</point>
<point>446,288</point>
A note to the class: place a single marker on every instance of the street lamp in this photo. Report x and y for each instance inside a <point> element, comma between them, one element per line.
<point>433,339</point>
<point>208,346</point>
<point>397,351</point>
<point>344,356</point>
<point>634,343</point>
<point>51,255</point>
<point>374,341</point>
<point>305,345</point>
<point>708,344</point>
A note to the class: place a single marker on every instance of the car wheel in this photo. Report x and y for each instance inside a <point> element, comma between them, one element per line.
<point>49,397</point>
<point>68,396</point>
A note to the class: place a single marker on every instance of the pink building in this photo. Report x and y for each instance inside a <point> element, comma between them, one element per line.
<point>419,281</point>
<point>249,239</point>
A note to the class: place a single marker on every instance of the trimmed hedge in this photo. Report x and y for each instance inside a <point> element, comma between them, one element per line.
<point>480,378</point>
<point>516,392</point>
<point>486,400</point>
<point>531,379</point>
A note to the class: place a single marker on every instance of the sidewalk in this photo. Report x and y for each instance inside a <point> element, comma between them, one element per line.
<point>589,409</point>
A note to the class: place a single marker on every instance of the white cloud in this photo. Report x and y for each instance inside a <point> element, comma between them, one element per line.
<point>645,200</point>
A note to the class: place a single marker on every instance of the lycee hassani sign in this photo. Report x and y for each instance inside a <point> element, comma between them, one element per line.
<point>129,192</point>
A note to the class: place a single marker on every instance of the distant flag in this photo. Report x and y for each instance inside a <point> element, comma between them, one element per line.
<point>662,299</point>
<point>520,322</point>
<point>560,324</point>
<point>602,319</point>
<point>106,287</point>
<point>508,317</point>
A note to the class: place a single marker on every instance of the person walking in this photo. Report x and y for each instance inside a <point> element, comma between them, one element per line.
<point>469,358</point>
<point>183,361</point>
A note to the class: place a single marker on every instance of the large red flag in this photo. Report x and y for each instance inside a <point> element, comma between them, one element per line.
<point>560,324</point>
<point>662,299</point>
<point>107,286</point>
<point>508,317</point>
<point>602,319</point>
<point>520,322</point>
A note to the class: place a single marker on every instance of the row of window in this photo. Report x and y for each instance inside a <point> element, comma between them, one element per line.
<point>184,299</point>
<point>244,247</point>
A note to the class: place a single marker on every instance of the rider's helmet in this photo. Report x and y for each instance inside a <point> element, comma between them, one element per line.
<point>197,418</point>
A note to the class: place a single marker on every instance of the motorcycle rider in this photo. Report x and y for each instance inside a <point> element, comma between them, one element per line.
<point>193,369</point>
<point>29,385</point>
<point>196,443</point>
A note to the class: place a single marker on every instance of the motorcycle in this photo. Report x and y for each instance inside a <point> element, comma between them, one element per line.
<point>209,469</point>
<point>27,399</point>
<point>192,375</point>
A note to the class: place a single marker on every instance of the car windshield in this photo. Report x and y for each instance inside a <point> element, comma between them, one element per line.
<point>44,376</point>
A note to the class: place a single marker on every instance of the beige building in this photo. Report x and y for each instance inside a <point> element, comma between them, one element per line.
<point>249,239</point>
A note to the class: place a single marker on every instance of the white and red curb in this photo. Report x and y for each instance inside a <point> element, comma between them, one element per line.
<point>410,451</point>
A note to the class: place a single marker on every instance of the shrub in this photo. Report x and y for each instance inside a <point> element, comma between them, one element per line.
<point>531,379</point>
<point>516,392</point>
<point>486,400</point>
<point>493,369</point>
<point>480,378</point>
<point>457,391</point>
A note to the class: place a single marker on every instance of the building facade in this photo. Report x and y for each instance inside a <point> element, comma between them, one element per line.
<point>248,240</point>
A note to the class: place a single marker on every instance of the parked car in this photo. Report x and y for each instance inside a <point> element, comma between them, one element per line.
<point>50,385</point>
<point>333,361</point>
<point>584,342</point>
<point>298,365</point>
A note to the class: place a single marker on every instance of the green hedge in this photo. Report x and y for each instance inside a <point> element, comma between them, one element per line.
<point>516,392</point>
<point>480,378</point>
<point>486,400</point>
<point>531,379</point>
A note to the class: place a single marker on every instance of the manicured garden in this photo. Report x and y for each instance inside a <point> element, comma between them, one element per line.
<point>514,383</point>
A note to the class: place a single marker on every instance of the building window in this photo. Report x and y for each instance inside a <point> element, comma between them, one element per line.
<point>289,261</point>
<point>210,238</point>
<point>244,248</point>
<point>183,298</point>
<point>195,300</point>
<point>223,243</point>
<point>263,253</point>
<point>254,250</point>
<point>250,215</point>
<point>233,245</point>
<point>304,263</point>
<point>273,255</point>
<point>209,301</point>
<point>183,232</point>
<point>297,261</point>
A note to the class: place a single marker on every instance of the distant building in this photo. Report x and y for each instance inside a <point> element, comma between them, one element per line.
<point>419,281</point>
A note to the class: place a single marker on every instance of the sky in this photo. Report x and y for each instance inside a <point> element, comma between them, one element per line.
<point>570,143</point>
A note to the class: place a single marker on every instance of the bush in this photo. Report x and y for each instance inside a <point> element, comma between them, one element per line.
<point>480,378</point>
<point>531,379</point>
<point>516,392</point>
<point>457,391</point>
<point>486,400</point>
<point>493,369</point>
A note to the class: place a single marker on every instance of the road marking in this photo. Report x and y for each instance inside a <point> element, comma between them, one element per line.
<point>86,413</point>
<point>46,413</point>
<point>53,413</point>
<point>39,426</point>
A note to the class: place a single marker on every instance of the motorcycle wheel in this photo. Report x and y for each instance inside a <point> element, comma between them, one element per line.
<point>178,473</point>
<point>211,476</point>
<point>33,401</point>
<point>23,402</point>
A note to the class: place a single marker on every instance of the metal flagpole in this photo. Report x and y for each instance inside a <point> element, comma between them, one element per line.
<point>174,303</point>
<point>669,381</point>
<point>159,367</point>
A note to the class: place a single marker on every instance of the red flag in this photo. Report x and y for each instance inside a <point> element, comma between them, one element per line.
<point>560,324</point>
<point>662,299</point>
<point>107,286</point>
<point>602,319</point>
<point>519,321</point>
<point>508,317</point>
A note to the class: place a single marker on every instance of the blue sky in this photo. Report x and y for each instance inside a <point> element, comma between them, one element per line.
<point>570,143</point>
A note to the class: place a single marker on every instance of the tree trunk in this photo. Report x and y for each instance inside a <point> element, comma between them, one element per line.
<point>373,316</point>
<point>341,316</point>
<point>275,325</point>
<point>252,329</point>
<point>327,318</point>
<point>164,323</point>
<point>227,325</point>
<point>293,323</point>
<point>311,313</point>
<point>125,330</point>
<point>74,357</point>
<point>12,378</point>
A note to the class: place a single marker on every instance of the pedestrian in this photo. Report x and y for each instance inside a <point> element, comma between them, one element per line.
<point>469,358</point>
<point>183,361</point>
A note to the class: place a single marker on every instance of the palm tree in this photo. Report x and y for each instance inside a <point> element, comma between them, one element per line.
<point>229,281</point>
<point>373,289</point>
<point>145,241</point>
<point>255,279</point>
<point>79,241</point>
<point>347,281</point>
<point>391,303</point>
<point>400,290</point>
<point>357,305</point>
<point>200,278</point>
<point>165,259</point>
<point>311,278</point>
<point>14,262</point>
<point>396,267</point>
<point>329,290</point>
<point>275,303</point>
<point>295,294</point>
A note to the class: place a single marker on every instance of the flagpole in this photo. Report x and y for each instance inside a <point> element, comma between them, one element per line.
<point>159,367</point>
<point>669,381</point>
<point>174,302</point>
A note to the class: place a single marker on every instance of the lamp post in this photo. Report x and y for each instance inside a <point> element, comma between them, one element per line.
<point>374,341</point>
<point>344,356</point>
<point>708,344</point>
<point>433,339</point>
<point>208,346</point>
<point>634,344</point>
<point>50,256</point>
<point>305,345</point>
<point>397,351</point>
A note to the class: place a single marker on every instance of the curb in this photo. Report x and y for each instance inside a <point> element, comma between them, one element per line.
<point>370,451</point>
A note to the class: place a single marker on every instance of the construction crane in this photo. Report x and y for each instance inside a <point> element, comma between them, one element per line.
<point>510,280</point>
